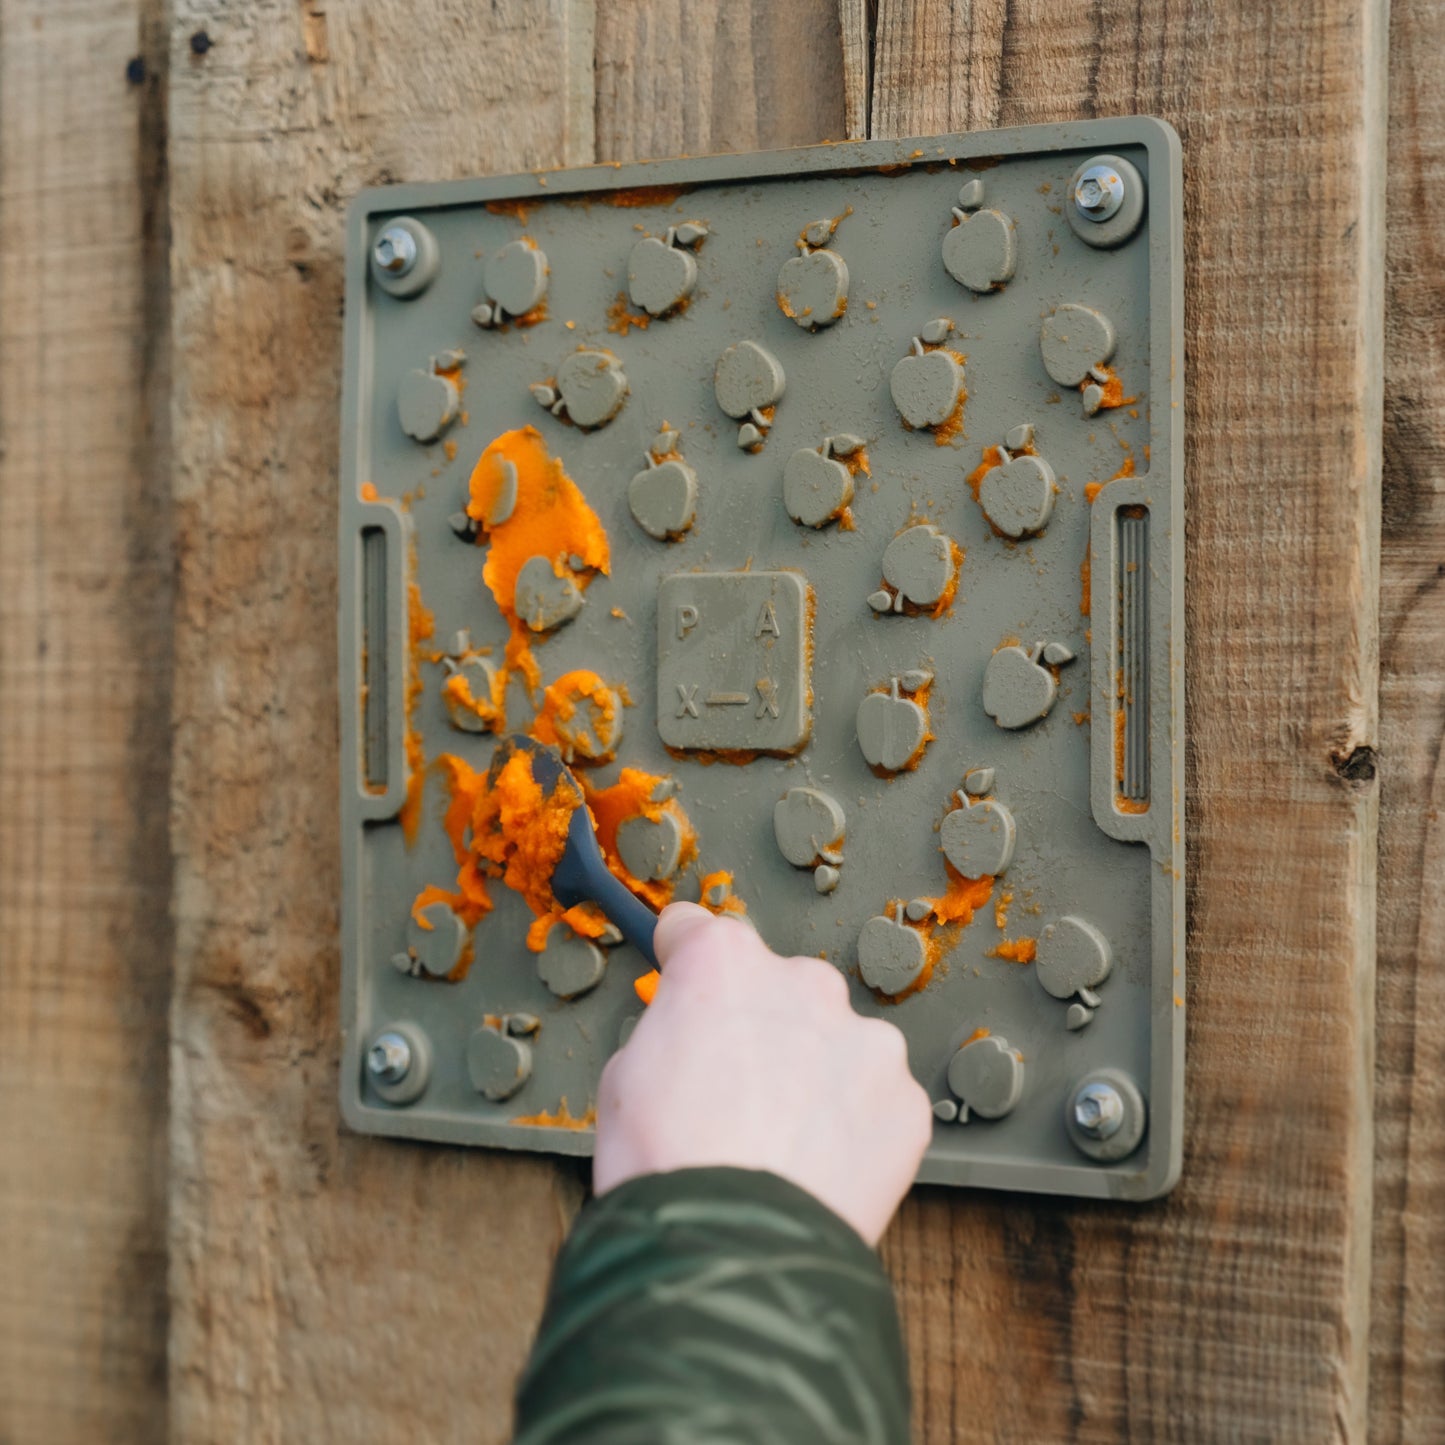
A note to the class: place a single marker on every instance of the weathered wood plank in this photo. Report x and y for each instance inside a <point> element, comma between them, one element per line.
<point>1238,1308</point>
<point>85,609</point>
<point>677,78</point>
<point>1407,1336</point>
<point>325,1286</point>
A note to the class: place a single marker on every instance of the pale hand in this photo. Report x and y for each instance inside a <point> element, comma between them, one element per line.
<point>751,1060</point>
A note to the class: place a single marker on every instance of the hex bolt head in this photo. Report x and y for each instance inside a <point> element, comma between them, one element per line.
<point>395,251</point>
<point>1098,1110</point>
<point>1099,193</point>
<point>388,1060</point>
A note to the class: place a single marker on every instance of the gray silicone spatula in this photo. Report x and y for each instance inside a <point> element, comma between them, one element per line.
<point>582,874</point>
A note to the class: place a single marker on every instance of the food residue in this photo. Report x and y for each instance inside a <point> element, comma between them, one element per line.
<point>562,1118</point>
<point>550,518</point>
<point>1016,950</point>
<point>421,625</point>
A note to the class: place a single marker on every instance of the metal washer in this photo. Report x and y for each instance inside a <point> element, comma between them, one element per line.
<point>1105,235</point>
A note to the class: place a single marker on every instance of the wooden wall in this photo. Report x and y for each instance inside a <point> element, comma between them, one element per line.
<point>186,1234</point>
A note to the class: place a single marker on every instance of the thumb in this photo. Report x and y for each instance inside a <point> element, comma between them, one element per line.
<point>677,924</point>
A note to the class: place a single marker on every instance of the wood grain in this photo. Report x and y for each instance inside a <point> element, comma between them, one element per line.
<point>325,1286</point>
<point>677,78</point>
<point>1238,1308</point>
<point>1407,1327</point>
<point>84,692</point>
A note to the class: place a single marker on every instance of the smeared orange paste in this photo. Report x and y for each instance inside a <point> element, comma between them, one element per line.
<point>551,519</point>
<point>631,796</point>
<point>421,624</point>
<point>563,1118</point>
<point>369,492</point>
<point>621,320</point>
<point>952,425</point>
<point>1000,911</point>
<point>1113,388</point>
<point>646,986</point>
<point>457,693</point>
<point>975,1036</point>
<point>728,902</point>
<point>1016,950</point>
<point>952,913</point>
<point>590,737</point>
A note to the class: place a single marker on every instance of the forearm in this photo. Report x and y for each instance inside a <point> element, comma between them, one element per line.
<point>715,1304</point>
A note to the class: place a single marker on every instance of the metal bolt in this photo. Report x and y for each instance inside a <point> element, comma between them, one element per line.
<point>1099,193</point>
<point>1099,1110</point>
<point>395,251</point>
<point>388,1060</point>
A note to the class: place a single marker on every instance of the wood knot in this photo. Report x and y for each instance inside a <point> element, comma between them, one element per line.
<point>1356,767</point>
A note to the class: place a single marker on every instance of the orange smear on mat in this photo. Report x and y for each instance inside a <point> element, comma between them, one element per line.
<point>631,796</point>
<point>728,902</point>
<point>963,898</point>
<point>953,912</point>
<point>589,737</point>
<point>1086,579</point>
<point>1113,388</point>
<point>992,457</point>
<point>369,492</point>
<point>563,1118</point>
<point>1017,950</point>
<point>975,1036</point>
<point>509,830</point>
<point>646,986</point>
<point>457,695</point>
<point>551,519</point>
<point>421,624</point>
<point>1000,911</point>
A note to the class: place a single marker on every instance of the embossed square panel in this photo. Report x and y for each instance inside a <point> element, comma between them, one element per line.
<point>824,508</point>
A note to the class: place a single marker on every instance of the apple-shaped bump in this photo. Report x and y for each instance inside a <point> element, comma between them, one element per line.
<point>987,1075</point>
<point>589,725</point>
<point>469,705</point>
<point>978,838</point>
<point>1017,496</point>
<point>650,848</point>
<point>497,1064</point>
<point>981,251</point>
<point>569,964</point>
<point>1074,340</point>
<point>1073,957</point>
<point>592,386</point>
<point>434,939</point>
<point>892,729</point>
<point>426,404</point>
<point>813,288</point>
<point>544,598</point>
<point>816,488</point>
<point>1016,690</point>
<point>747,378</point>
<point>918,565</point>
<point>515,277</point>
<point>926,386</point>
<point>659,276</point>
<point>891,955</point>
<point>807,823</point>
<point>663,499</point>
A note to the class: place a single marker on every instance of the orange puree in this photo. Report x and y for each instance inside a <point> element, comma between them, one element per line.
<point>646,986</point>
<point>632,796</point>
<point>551,519</point>
<point>421,624</point>
<point>578,716</point>
<point>562,1119</point>
<point>1017,950</point>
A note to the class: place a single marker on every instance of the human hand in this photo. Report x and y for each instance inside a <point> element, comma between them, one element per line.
<point>754,1061</point>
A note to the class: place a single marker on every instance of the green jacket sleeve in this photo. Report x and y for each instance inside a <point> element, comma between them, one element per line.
<point>715,1305</point>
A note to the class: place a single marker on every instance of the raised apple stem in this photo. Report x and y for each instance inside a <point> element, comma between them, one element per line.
<point>758,419</point>
<point>670,239</point>
<point>898,915</point>
<point>894,690</point>
<point>827,448</point>
<point>918,346</point>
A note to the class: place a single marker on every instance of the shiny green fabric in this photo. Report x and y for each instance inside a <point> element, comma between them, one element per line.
<point>715,1307</point>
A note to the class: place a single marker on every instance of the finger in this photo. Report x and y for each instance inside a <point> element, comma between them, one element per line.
<point>676,924</point>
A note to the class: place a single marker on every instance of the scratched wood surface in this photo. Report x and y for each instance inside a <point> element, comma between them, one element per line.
<point>1407,1326</point>
<point>84,693</point>
<point>1239,1307</point>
